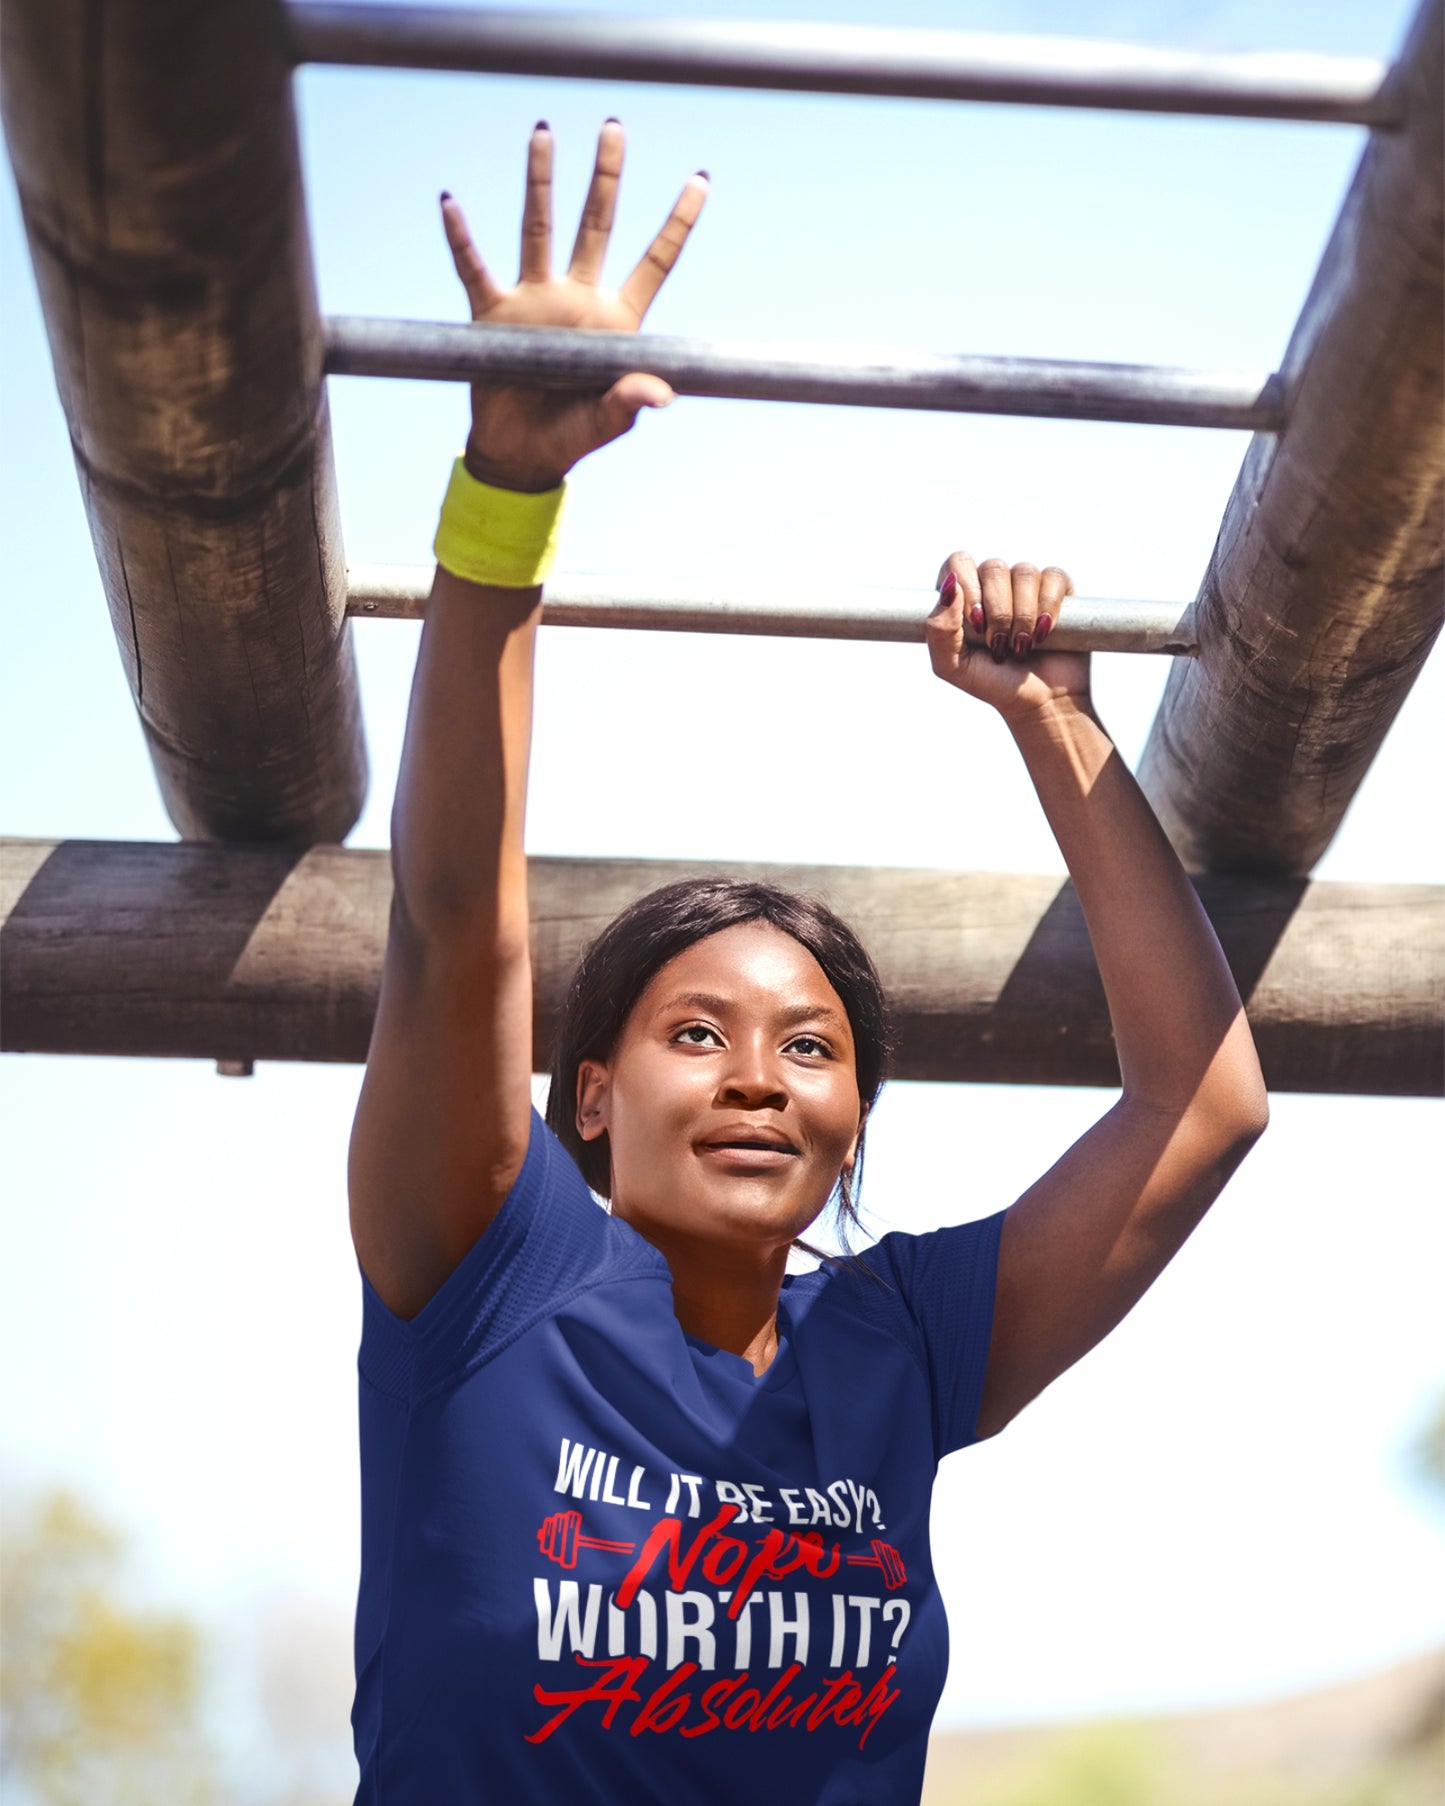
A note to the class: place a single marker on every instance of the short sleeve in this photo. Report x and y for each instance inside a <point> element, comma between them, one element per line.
<point>945,1282</point>
<point>549,1241</point>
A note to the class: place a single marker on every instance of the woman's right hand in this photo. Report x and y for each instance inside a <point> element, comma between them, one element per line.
<point>1012,611</point>
<point>529,438</point>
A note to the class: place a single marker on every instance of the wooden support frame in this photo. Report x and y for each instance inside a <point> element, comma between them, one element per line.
<point>1326,592</point>
<point>246,953</point>
<point>154,148</point>
<point>170,246</point>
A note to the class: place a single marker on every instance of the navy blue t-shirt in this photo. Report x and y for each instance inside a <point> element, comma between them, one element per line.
<point>604,1562</point>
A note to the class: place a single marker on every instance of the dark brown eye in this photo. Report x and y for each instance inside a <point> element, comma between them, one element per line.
<point>695,1035</point>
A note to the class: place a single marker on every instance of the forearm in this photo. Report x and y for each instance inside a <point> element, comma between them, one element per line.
<point>1179,1026</point>
<point>458,819</point>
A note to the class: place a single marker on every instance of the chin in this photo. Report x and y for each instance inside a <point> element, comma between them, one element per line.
<point>738,1214</point>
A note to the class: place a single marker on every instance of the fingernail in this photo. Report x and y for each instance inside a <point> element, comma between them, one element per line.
<point>1023,644</point>
<point>541,126</point>
<point>998,646</point>
<point>946,589</point>
<point>612,119</point>
<point>1042,627</point>
<point>446,194</point>
<point>975,617</point>
<point>705,176</point>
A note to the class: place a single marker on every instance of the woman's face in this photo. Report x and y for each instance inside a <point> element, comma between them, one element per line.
<point>731,1099</point>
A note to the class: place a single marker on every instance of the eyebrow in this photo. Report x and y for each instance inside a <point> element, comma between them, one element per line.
<point>718,1006</point>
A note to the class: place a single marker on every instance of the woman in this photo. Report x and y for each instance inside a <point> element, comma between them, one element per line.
<point>643,1518</point>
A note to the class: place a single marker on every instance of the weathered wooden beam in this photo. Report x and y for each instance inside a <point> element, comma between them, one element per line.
<point>246,953</point>
<point>155,154</point>
<point>1324,593</point>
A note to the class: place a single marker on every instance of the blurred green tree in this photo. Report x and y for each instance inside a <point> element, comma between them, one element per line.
<point>98,1701</point>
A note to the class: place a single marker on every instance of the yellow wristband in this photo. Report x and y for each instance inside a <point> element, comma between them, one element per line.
<point>500,537</point>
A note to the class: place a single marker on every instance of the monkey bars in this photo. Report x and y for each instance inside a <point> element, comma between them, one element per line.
<point>854,376</point>
<point>154,150</point>
<point>845,59</point>
<point>398,592</point>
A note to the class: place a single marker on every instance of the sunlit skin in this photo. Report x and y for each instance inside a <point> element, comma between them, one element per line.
<point>731,1106</point>
<point>444,1120</point>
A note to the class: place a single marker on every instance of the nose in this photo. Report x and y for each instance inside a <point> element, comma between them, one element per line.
<point>753,1078</point>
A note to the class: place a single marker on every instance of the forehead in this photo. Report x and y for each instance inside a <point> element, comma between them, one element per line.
<point>752,966</point>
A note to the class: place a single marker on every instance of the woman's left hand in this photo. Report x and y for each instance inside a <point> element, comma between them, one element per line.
<point>1011,611</point>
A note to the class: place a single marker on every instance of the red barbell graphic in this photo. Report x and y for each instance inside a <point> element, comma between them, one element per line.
<point>560,1538</point>
<point>886,1557</point>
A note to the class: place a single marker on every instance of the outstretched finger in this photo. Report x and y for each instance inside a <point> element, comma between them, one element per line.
<point>640,289</point>
<point>595,227</point>
<point>482,292</point>
<point>537,208</point>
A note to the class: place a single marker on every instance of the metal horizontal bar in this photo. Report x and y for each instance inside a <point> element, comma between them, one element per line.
<point>846,59</point>
<point>860,376</point>
<point>398,592</point>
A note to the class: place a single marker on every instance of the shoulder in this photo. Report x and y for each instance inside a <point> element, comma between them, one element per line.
<point>550,1241</point>
<point>552,1234</point>
<point>931,1294</point>
<point>903,1272</point>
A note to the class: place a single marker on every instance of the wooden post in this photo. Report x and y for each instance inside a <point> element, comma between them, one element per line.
<point>1324,594</point>
<point>154,149</point>
<point>253,953</point>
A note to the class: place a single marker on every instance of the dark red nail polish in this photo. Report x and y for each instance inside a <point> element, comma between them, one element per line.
<point>1043,627</point>
<point>946,589</point>
<point>975,617</point>
<point>446,194</point>
<point>612,119</point>
<point>1023,644</point>
<point>541,126</point>
<point>705,176</point>
<point>998,646</point>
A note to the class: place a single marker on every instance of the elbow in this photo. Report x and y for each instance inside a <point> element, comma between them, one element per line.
<point>1247,1109</point>
<point>1235,1123</point>
<point>1227,1105</point>
<point>1257,1119</point>
<point>1218,1125</point>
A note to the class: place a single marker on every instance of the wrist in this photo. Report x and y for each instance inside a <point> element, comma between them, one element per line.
<point>495,536</point>
<point>1056,714</point>
<point>505,473</point>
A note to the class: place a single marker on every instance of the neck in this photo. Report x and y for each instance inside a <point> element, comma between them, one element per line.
<point>727,1301</point>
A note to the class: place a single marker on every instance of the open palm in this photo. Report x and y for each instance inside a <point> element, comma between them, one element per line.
<point>525,437</point>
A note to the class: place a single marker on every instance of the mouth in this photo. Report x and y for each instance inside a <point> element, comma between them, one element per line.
<point>750,1150</point>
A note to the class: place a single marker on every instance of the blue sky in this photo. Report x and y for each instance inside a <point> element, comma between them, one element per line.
<point>1216,1505</point>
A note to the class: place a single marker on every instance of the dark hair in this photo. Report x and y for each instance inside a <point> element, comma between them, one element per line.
<point>620,964</point>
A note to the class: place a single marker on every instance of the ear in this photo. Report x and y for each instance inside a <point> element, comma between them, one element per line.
<point>594,1094</point>
<point>850,1159</point>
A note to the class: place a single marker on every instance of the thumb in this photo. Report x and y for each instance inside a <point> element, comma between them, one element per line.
<point>619,407</point>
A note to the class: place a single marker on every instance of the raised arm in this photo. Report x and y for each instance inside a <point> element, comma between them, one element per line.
<point>1083,1244</point>
<point>442,1124</point>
